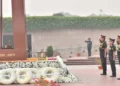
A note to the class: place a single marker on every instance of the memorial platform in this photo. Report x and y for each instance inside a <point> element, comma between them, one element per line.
<point>85,60</point>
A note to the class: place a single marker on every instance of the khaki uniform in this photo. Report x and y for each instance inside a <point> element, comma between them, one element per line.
<point>118,52</point>
<point>112,49</point>
<point>102,47</point>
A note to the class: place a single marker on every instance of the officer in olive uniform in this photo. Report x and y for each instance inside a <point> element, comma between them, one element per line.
<point>103,53</point>
<point>89,46</point>
<point>112,50</point>
<point>118,50</point>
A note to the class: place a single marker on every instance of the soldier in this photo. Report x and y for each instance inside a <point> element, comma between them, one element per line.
<point>118,50</point>
<point>112,50</point>
<point>103,53</point>
<point>89,46</point>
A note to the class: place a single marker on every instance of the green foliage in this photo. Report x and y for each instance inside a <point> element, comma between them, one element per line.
<point>60,22</point>
<point>58,14</point>
<point>49,51</point>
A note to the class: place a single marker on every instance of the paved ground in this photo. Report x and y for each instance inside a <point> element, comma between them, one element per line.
<point>90,76</point>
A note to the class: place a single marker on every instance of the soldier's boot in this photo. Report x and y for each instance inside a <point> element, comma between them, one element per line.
<point>118,78</point>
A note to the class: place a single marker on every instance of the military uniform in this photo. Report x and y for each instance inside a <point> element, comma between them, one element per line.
<point>112,49</point>
<point>118,51</point>
<point>89,46</point>
<point>102,47</point>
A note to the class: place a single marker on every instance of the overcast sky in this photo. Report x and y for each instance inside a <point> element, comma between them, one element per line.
<point>76,7</point>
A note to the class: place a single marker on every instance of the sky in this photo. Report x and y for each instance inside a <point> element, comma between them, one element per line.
<point>75,7</point>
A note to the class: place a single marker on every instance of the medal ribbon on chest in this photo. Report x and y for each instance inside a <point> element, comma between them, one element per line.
<point>118,47</point>
<point>101,44</point>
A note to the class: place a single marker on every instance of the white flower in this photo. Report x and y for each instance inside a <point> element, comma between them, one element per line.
<point>34,64</point>
<point>29,64</point>
<point>22,64</point>
<point>41,64</point>
<point>73,77</point>
<point>62,72</point>
<point>53,64</point>
<point>64,80</point>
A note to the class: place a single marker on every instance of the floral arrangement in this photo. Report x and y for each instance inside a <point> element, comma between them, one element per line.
<point>36,64</point>
<point>98,61</point>
<point>43,82</point>
<point>36,68</point>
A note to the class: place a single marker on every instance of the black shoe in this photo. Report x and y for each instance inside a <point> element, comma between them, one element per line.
<point>118,78</point>
<point>103,74</point>
<point>112,76</point>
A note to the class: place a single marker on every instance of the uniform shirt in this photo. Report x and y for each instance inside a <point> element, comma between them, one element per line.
<point>102,46</point>
<point>112,49</point>
<point>89,43</point>
<point>118,47</point>
<point>118,50</point>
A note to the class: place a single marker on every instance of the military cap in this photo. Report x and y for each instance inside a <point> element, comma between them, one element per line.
<point>89,38</point>
<point>112,39</point>
<point>118,36</point>
<point>103,36</point>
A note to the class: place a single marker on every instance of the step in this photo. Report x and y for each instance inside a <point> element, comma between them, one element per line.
<point>83,61</point>
<point>87,62</point>
<point>80,63</point>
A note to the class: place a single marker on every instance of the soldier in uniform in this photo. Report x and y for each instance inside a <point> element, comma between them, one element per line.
<point>103,53</point>
<point>118,50</point>
<point>89,46</point>
<point>112,50</point>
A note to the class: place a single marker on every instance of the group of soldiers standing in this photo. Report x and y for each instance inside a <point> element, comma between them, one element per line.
<point>111,52</point>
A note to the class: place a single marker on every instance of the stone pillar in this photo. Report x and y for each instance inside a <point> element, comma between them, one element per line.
<point>19,33</point>
<point>19,28</point>
<point>0,23</point>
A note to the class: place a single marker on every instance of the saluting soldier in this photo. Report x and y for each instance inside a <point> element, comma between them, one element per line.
<point>103,53</point>
<point>118,50</point>
<point>112,50</point>
<point>89,46</point>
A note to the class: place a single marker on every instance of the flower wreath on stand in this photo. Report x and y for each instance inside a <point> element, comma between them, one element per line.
<point>98,61</point>
<point>43,82</point>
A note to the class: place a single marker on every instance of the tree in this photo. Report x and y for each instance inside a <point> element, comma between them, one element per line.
<point>63,14</point>
<point>49,51</point>
<point>58,14</point>
<point>101,13</point>
<point>93,14</point>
